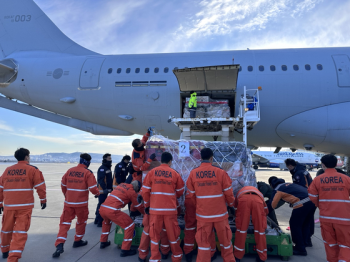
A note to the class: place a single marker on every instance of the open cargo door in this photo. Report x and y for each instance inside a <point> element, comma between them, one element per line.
<point>209,78</point>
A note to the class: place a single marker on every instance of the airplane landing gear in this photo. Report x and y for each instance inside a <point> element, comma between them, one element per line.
<point>256,167</point>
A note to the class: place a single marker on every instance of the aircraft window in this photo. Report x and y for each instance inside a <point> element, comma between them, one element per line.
<point>307,67</point>
<point>128,70</point>
<point>158,83</point>
<point>166,70</point>
<point>146,70</point>
<point>250,68</point>
<point>119,70</point>
<point>137,70</point>
<point>272,68</point>
<point>122,83</point>
<point>319,67</point>
<point>295,67</point>
<point>110,70</point>
<point>140,83</point>
<point>261,68</point>
<point>156,70</point>
<point>284,68</point>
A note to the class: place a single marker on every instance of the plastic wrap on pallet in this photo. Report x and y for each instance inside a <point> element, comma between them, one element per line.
<point>200,112</point>
<point>209,109</point>
<point>233,157</point>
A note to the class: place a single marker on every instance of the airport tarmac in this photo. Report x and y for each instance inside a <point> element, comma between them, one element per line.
<point>44,225</point>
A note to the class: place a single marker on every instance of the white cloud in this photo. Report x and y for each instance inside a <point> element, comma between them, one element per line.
<point>221,17</point>
<point>5,127</point>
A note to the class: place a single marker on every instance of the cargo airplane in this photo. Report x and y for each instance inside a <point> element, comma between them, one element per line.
<point>304,102</point>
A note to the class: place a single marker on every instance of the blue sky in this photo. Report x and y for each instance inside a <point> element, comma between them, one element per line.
<point>148,26</point>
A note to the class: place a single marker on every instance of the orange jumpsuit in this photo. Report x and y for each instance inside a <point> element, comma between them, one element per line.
<point>330,192</point>
<point>250,203</point>
<point>211,188</point>
<point>139,162</point>
<point>76,183</point>
<point>161,188</point>
<point>110,211</point>
<point>16,195</point>
<point>191,226</point>
<point>145,239</point>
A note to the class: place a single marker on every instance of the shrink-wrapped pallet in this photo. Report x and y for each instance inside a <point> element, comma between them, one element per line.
<point>233,157</point>
<point>209,108</point>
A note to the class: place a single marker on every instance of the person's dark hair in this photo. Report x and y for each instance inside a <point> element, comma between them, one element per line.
<point>21,154</point>
<point>290,162</point>
<point>126,157</point>
<point>106,155</point>
<point>330,161</point>
<point>135,143</point>
<point>192,92</point>
<point>85,156</point>
<point>275,181</point>
<point>206,153</point>
<point>166,158</point>
<point>272,178</point>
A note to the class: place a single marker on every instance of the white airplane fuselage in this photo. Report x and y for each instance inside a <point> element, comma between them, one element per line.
<point>298,107</point>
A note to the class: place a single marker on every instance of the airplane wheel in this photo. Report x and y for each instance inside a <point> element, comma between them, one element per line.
<point>255,167</point>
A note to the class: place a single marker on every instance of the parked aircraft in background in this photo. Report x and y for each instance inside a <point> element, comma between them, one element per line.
<point>304,90</point>
<point>271,159</point>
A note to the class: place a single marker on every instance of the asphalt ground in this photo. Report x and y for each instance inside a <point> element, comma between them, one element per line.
<point>44,225</point>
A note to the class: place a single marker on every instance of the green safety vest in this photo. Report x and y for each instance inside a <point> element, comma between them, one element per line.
<point>193,100</point>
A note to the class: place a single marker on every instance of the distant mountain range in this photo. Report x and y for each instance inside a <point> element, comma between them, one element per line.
<point>62,158</point>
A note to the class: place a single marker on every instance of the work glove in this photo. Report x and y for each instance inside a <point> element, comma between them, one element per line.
<point>1,209</point>
<point>147,210</point>
<point>139,199</point>
<point>231,210</point>
<point>153,156</point>
<point>105,191</point>
<point>43,205</point>
<point>149,130</point>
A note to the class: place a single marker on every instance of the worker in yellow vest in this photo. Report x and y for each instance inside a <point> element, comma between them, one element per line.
<point>192,104</point>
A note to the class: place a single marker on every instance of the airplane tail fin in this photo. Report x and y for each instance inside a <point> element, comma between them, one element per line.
<point>25,27</point>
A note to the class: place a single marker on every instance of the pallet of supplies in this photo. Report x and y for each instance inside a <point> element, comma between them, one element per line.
<point>233,157</point>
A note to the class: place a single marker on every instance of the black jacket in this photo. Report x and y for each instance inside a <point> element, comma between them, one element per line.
<point>290,193</point>
<point>301,176</point>
<point>121,172</point>
<point>267,192</point>
<point>104,178</point>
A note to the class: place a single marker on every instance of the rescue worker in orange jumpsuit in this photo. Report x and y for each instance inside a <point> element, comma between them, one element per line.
<point>145,239</point>
<point>111,212</point>
<point>161,188</point>
<point>250,203</point>
<point>104,184</point>
<point>17,202</point>
<point>210,188</point>
<point>190,230</point>
<point>75,184</point>
<point>139,163</point>
<point>330,192</point>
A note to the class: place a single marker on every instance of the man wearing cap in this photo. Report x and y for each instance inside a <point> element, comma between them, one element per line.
<point>111,211</point>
